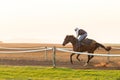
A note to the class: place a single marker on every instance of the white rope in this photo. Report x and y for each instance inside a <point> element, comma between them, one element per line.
<point>21,48</point>
<point>115,48</point>
<point>110,55</point>
<point>27,51</point>
<point>38,49</point>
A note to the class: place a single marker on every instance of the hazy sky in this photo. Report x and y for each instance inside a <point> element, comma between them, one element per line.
<point>51,20</point>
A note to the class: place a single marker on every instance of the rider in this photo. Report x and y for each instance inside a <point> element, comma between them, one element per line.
<point>81,35</point>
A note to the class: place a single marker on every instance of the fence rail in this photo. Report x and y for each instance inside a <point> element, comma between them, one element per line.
<point>22,48</point>
<point>115,48</point>
<point>26,51</point>
<point>85,53</point>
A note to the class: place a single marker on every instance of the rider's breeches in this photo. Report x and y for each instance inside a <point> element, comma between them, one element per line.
<point>82,37</point>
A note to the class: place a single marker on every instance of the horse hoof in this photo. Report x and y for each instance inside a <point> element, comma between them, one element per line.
<point>85,64</point>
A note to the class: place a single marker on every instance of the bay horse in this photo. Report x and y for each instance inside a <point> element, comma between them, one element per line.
<point>88,45</point>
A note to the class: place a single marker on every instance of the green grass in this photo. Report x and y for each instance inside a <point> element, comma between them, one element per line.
<point>45,73</point>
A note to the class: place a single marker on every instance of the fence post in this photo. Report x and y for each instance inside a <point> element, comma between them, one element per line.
<point>54,57</point>
<point>46,53</point>
<point>108,58</point>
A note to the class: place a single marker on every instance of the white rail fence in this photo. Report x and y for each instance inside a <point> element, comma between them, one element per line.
<point>8,48</point>
<point>84,53</point>
<point>39,49</point>
<point>24,50</point>
<point>115,48</point>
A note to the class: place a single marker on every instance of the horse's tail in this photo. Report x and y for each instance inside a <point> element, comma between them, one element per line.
<point>106,48</point>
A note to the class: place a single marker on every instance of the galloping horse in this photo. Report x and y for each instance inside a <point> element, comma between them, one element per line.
<point>88,45</point>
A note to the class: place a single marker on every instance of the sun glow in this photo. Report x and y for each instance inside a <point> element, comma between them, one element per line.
<point>51,20</point>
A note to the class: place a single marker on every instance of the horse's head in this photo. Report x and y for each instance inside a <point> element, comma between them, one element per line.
<point>68,39</point>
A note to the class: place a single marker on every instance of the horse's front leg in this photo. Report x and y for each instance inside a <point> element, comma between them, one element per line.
<point>71,58</point>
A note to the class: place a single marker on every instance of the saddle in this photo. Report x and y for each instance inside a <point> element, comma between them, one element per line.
<point>86,41</point>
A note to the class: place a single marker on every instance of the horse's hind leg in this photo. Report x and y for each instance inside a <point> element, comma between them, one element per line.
<point>89,58</point>
<point>77,57</point>
<point>71,58</point>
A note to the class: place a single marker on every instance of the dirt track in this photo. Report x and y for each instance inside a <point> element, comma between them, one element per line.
<point>62,59</point>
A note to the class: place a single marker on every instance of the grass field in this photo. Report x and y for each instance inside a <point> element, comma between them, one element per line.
<point>48,73</point>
